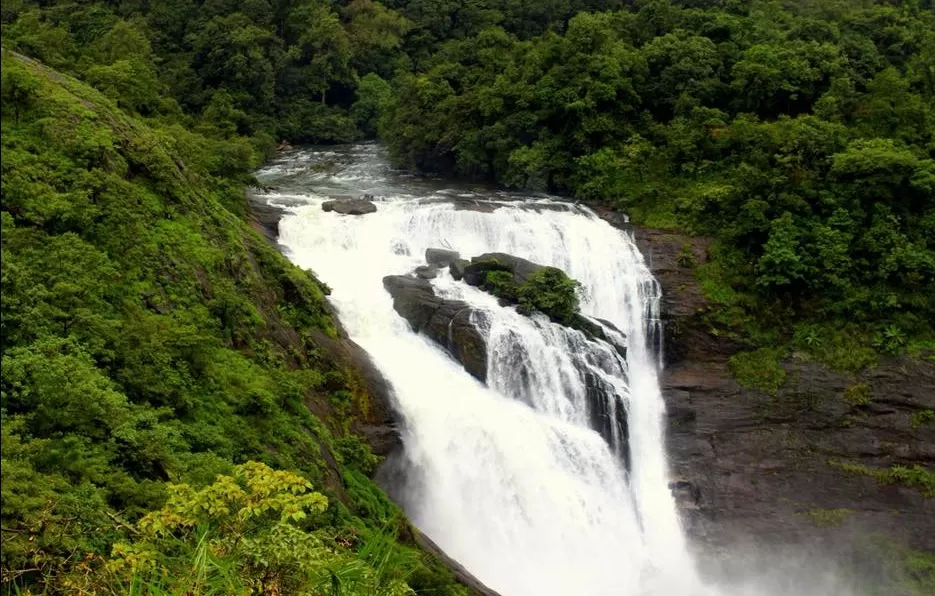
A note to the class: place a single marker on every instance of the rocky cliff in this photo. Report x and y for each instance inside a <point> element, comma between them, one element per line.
<point>810,465</point>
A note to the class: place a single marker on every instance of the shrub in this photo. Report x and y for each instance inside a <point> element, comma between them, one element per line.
<point>552,292</point>
<point>826,518</point>
<point>858,394</point>
<point>759,369</point>
<point>500,283</point>
<point>548,291</point>
<point>915,476</point>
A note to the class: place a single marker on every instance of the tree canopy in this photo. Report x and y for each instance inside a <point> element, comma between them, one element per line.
<point>800,135</point>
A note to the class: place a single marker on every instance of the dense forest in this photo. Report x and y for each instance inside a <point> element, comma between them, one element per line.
<point>798,134</point>
<point>161,362</point>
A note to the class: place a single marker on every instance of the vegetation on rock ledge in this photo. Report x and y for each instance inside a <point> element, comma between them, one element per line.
<point>547,290</point>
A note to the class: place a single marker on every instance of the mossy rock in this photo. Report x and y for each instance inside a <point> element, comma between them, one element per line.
<point>532,287</point>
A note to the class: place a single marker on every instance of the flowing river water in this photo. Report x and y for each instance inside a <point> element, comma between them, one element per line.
<point>508,477</point>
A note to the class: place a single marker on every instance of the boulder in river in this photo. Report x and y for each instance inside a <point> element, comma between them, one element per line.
<point>441,257</point>
<point>447,322</point>
<point>427,272</point>
<point>456,268</point>
<point>349,206</point>
<point>557,289</point>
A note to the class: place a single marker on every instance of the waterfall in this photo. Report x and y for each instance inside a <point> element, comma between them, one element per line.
<point>511,477</point>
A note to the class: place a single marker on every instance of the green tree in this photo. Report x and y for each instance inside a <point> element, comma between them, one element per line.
<point>375,34</point>
<point>374,101</point>
<point>786,78</point>
<point>322,46</point>
<point>682,71</point>
<point>231,52</point>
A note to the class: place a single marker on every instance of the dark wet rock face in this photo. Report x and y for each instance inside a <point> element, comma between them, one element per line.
<point>765,470</point>
<point>604,420</point>
<point>764,465</point>
<point>474,205</point>
<point>447,322</point>
<point>264,218</point>
<point>457,267</point>
<point>349,206</point>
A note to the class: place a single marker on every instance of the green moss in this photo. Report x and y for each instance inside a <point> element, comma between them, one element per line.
<point>920,572</point>
<point>760,369</point>
<point>887,568</point>
<point>916,476</point>
<point>825,518</point>
<point>922,417</point>
<point>858,394</point>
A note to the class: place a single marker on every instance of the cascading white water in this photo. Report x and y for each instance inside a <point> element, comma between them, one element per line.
<point>508,478</point>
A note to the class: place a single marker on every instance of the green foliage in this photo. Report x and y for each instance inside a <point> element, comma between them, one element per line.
<point>760,369</point>
<point>252,516</point>
<point>288,70</point>
<point>547,290</point>
<point>550,291</point>
<point>147,336</point>
<point>255,531</point>
<point>826,518</point>
<point>798,135</point>
<point>374,100</point>
<point>502,284</point>
<point>858,394</point>
<point>356,454</point>
<point>843,347</point>
<point>916,476</point>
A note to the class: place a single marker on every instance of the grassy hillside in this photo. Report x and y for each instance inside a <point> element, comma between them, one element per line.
<point>150,339</point>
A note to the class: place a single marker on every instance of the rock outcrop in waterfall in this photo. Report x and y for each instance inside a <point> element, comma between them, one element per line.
<point>463,330</point>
